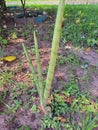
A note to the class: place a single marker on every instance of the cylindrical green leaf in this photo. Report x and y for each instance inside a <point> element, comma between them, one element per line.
<point>40,82</point>
<point>31,66</point>
<point>55,46</point>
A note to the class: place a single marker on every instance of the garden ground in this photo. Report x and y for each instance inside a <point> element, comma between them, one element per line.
<point>75,85</point>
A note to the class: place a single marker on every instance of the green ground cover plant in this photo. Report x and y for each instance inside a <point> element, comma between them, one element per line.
<point>81,27</point>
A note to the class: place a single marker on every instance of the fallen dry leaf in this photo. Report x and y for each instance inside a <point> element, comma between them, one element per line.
<point>9,58</point>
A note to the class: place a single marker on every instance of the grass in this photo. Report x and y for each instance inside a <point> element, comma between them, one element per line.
<point>81,25</point>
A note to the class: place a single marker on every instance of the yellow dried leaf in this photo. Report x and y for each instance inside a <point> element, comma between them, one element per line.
<point>9,58</point>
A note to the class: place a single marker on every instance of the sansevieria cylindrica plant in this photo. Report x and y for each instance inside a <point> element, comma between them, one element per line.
<point>44,90</point>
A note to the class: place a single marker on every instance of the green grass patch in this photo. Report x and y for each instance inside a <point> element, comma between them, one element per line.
<point>80,23</point>
<point>30,0</point>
